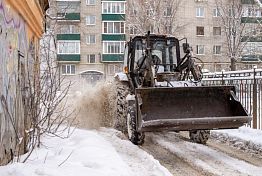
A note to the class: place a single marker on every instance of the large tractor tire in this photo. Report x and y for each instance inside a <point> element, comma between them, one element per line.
<point>134,136</point>
<point>199,136</point>
<point>122,90</point>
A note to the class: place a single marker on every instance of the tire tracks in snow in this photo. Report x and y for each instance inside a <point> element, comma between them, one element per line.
<point>171,161</point>
<point>232,151</point>
<point>209,158</point>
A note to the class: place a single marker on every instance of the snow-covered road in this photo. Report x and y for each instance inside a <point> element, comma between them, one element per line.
<point>208,160</point>
<point>107,152</point>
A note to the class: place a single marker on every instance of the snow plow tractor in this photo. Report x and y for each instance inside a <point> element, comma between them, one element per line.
<point>160,90</point>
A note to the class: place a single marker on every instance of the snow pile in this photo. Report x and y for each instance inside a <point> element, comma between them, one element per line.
<point>86,153</point>
<point>243,138</point>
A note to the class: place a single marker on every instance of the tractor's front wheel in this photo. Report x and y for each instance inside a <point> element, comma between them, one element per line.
<point>199,136</point>
<point>134,136</point>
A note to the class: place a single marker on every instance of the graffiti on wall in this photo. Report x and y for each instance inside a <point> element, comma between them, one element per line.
<point>13,40</point>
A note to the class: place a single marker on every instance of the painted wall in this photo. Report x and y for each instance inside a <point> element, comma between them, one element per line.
<point>18,45</point>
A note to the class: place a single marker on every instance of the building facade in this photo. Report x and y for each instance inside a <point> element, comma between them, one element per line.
<point>252,18</point>
<point>90,39</point>
<point>22,25</point>
<point>92,33</point>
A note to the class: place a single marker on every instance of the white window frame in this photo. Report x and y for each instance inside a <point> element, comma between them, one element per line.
<point>198,12</point>
<point>88,21</point>
<point>69,69</point>
<point>68,29</point>
<point>66,42</point>
<point>215,49</point>
<point>112,4</point>
<point>88,39</point>
<point>88,2</point>
<point>166,11</point>
<point>199,49</point>
<point>113,44</point>
<point>216,12</point>
<point>113,22</point>
<point>88,57</point>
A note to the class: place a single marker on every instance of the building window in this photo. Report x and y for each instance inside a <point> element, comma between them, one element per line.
<point>91,39</point>
<point>168,29</point>
<point>133,30</point>
<point>216,12</point>
<point>231,12</point>
<point>68,69</point>
<point>90,2</point>
<point>113,47</point>
<point>200,49</point>
<point>133,12</point>
<point>114,27</point>
<point>200,12</point>
<point>200,30</point>
<point>217,49</point>
<point>91,58</point>
<point>168,12</point>
<point>216,30</point>
<point>150,12</point>
<point>68,29</point>
<point>65,47</point>
<point>68,6</point>
<point>90,20</point>
<point>112,69</point>
<point>113,7</point>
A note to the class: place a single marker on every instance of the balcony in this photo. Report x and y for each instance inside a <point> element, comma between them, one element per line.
<point>251,20</point>
<point>113,37</point>
<point>68,16</point>
<point>68,37</point>
<point>68,57</point>
<point>113,17</point>
<point>251,58</point>
<point>248,1</point>
<point>112,57</point>
<point>251,39</point>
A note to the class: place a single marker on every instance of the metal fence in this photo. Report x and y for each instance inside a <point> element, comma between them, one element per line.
<point>248,85</point>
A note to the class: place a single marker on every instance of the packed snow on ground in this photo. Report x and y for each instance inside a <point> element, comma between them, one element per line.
<point>243,137</point>
<point>104,152</point>
<point>206,158</point>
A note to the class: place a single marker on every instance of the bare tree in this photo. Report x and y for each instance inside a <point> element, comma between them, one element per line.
<point>159,17</point>
<point>237,32</point>
<point>46,93</point>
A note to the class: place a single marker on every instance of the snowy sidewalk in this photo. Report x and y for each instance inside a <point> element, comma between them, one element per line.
<point>92,153</point>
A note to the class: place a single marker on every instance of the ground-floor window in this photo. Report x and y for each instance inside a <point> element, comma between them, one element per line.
<point>68,69</point>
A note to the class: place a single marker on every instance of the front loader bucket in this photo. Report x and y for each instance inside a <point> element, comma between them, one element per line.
<point>189,108</point>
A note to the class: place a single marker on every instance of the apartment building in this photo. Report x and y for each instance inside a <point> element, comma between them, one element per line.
<point>92,34</point>
<point>252,18</point>
<point>90,39</point>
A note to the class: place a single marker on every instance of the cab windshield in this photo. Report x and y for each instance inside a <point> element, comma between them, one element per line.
<point>164,52</point>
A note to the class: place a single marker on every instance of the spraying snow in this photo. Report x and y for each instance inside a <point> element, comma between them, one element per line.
<point>95,105</point>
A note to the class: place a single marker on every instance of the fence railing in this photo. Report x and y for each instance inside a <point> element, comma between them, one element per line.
<point>248,85</point>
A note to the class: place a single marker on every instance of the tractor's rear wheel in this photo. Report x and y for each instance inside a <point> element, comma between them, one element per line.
<point>199,136</point>
<point>134,136</point>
